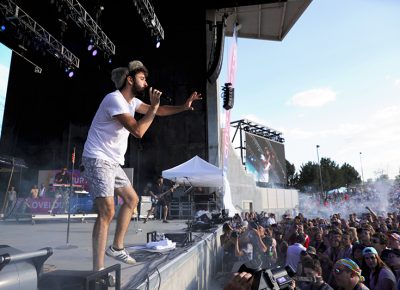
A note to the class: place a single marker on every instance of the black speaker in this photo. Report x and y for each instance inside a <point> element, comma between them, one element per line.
<point>228,96</point>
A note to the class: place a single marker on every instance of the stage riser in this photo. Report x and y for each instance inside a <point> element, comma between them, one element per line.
<point>191,271</point>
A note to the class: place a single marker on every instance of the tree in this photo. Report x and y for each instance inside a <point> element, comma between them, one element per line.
<point>291,175</point>
<point>333,176</point>
<point>308,177</point>
<point>349,175</point>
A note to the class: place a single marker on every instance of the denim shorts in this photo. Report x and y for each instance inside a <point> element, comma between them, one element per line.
<point>103,176</point>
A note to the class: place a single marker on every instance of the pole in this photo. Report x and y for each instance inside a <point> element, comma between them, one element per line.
<point>362,174</point>
<point>68,246</point>
<point>71,188</point>
<point>320,172</point>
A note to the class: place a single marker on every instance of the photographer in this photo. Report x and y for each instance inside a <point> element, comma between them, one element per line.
<point>270,242</point>
<point>312,269</point>
<point>243,249</point>
<point>228,242</point>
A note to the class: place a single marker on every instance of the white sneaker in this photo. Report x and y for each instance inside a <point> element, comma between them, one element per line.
<point>122,255</point>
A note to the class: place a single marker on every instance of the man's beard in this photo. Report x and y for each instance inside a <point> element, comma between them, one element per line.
<point>137,91</point>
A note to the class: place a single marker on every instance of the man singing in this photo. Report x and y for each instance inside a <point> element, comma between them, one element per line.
<point>104,152</point>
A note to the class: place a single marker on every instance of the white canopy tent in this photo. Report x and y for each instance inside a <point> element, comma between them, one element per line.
<point>198,172</point>
<point>195,172</point>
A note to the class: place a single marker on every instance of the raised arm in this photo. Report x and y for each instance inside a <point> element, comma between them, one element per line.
<point>167,110</point>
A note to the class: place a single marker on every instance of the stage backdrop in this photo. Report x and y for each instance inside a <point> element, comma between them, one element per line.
<point>265,159</point>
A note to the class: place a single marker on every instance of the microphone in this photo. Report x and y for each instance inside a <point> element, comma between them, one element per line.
<point>163,96</point>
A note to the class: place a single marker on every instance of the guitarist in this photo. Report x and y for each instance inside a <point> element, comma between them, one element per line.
<point>161,196</point>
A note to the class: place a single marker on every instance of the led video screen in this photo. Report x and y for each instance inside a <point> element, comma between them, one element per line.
<point>265,160</point>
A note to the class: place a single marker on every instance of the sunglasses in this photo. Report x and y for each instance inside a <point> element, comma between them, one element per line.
<point>338,271</point>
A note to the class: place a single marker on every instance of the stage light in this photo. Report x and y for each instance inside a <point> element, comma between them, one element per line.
<point>158,42</point>
<point>2,27</point>
<point>69,71</point>
<point>90,47</point>
<point>94,52</point>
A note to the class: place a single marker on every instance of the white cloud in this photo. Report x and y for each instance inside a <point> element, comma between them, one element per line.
<point>397,83</point>
<point>375,136</point>
<point>313,98</point>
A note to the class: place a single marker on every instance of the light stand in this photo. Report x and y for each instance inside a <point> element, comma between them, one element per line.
<point>320,173</point>
<point>68,246</point>
<point>362,175</point>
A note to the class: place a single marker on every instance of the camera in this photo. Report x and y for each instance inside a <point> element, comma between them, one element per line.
<point>270,279</point>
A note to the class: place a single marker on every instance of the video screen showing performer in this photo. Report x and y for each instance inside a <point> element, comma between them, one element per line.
<point>265,159</point>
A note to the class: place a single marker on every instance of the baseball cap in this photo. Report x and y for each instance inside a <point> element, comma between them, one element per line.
<point>369,250</point>
<point>395,236</point>
<point>118,75</point>
<point>136,64</point>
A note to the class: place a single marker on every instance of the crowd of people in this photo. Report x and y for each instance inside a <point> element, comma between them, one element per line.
<point>356,251</point>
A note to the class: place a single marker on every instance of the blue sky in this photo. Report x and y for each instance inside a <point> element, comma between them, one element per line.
<point>5,60</point>
<point>334,81</point>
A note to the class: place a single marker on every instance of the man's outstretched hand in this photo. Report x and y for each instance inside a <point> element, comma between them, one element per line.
<point>193,97</point>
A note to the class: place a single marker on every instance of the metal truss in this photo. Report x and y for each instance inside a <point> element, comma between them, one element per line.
<point>12,12</point>
<point>80,16</point>
<point>146,10</point>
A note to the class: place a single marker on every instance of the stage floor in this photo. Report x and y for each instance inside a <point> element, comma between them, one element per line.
<point>73,250</point>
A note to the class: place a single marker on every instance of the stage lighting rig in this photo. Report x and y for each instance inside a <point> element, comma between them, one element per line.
<point>146,10</point>
<point>82,18</point>
<point>17,16</point>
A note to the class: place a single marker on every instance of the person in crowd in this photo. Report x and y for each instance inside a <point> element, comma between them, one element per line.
<point>357,256</point>
<point>392,259</point>
<point>347,245</point>
<point>243,250</point>
<point>381,277</point>
<point>255,234</point>
<point>11,199</point>
<point>271,219</point>
<point>394,240</point>
<point>333,253</point>
<point>104,151</point>
<point>34,191</point>
<point>316,239</point>
<point>379,241</point>
<point>364,235</point>
<point>348,276</point>
<point>228,243</point>
<point>294,252</point>
<point>270,242</point>
<point>312,268</point>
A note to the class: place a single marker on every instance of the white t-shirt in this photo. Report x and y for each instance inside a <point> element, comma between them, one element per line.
<point>107,138</point>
